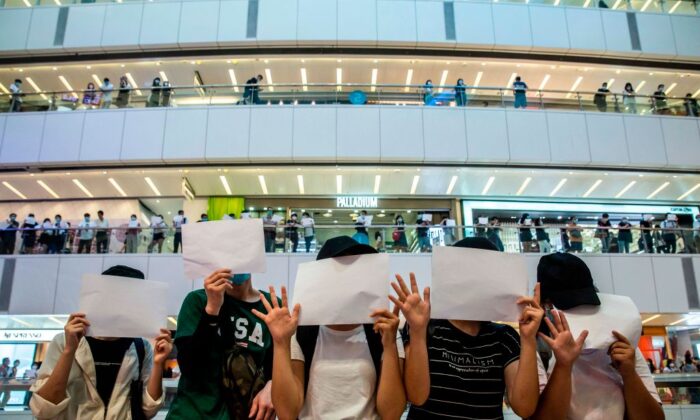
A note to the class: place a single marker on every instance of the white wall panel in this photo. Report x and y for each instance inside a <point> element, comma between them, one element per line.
<point>42,30</point>
<point>474,25</point>
<point>84,27</point>
<point>34,285</point>
<point>686,30</point>
<point>682,139</point>
<point>102,136</point>
<point>357,22</point>
<point>670,285</point>
<point>185,134</point>
<point>271,132</point>
<point>512,26</point>
<point>233,18</point>
<point>645,141</point>
<point>585,27</point>
<point>227,133</point>
<point>656,34</point>
<point>143,134</point>
<point>634,277</point>
<point>122,26</point>
<point>549,27</point>
<point>358,134</point>
<point>169,269</point>
<point>430,23</point>
<point>600,271</point>
<point>568,138</point>
<point>314,133</point>
<point>527,136</point>
<point>199,23</point>
<point>401,134</point>
<point>62,135</point>
<point>606,134</point>
<point>617,34</point>
<point>317,21</point>
<point>70,275</point>
<point>15,22</point>
<point>396,21</point>
<point>22,140</point>
<point>277,21</point>
<point>487,136</point>
<point>160,24</point>
<point>444,134</point>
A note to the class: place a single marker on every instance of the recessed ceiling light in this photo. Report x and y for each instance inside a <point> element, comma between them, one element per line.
<point>117,186</point>
<point>452,184</point>
<point>624,190</point>
<point>263,184</point>
<point>687,193</point>
<point>14,190</point>
<point>151,184</point>
<point>339,184</point>
<point>653,317</point>
<point>224,182</point>
<point>523,186</point>
<point>82,187</point>
<point>593,187</point>
<point>47,188</point>
<point>414,184</point>
<point>658,190</point>
<point>300,182</point>
<point>377,181</point>
<point>488,185</point>
<point>558,187</point>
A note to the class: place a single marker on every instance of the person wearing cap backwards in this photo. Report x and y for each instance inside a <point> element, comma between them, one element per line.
<point>336,371</point>
<point>224,352</point>
<point>598,384</point>
<point>460,369</point>
<point>100,378</point>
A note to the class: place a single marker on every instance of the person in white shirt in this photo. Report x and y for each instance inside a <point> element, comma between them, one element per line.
<point>335,371</point>
<point>101,233</point>
<point>85,234</point>
<point>308,223</point>
<point>106,88</point>
<point>16,99</point>
<point>159,227</point>
<point>178,221</point>
<point>93,378</point>
<point>588,384</point>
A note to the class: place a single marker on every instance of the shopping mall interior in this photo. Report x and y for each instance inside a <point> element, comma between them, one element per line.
<point>410,111</point>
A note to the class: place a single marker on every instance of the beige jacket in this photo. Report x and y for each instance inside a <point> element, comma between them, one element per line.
<point>82,400</point>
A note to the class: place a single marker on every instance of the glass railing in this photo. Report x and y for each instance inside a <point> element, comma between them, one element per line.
<point>385,238</point>
<point>349,94</point>
<point>679,7</point>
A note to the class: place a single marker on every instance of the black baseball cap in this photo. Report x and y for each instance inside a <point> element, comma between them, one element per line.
<point>478,243</point>
<point>342,246</point>
<point>124,271</point>
<point>566,281</point>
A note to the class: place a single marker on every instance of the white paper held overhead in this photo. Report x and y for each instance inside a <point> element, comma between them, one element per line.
<point>234,244</point>
<point>477,285</point>
<point>122,306</point>
<point>614,313</point>
<point>343,290</point>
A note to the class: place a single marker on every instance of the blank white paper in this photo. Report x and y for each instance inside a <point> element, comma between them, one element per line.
<point>234,244</point>
<point>614,313</point>
<point>477,285</point>
<point>343,290</point>
<point>123,306</point>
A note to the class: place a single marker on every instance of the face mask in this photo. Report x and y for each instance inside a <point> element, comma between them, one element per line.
<point>58,220</point>
<point>294,218</point>
<point>87,219</point>
<point>239,279</point>
<point>133,219</point>
<point>205,218</point>
<point>13,218</point>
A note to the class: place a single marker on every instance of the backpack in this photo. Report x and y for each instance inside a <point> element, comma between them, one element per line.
<point>308,335</point>
<point>136,387</point>
<point>242,380</point>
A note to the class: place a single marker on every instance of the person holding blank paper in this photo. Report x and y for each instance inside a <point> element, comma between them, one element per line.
<point>461,369</point>
<point>335,371</point>
<point>598,384</point>
<point>224,352</point>
<point>100,378</point>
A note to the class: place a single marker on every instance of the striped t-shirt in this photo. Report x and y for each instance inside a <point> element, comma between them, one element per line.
<point>467,373</point>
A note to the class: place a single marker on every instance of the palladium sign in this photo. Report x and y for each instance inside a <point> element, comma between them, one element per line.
<point>347,202</point>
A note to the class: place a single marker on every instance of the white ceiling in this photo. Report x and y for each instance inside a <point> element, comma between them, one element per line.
<point>322,69</point>
<point>322,181</point>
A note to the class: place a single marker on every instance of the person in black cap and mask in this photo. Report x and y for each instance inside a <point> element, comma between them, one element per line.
<point>588,384</point>
<point>460,369</point>
<point>89,377</point>
<point>336,371</point>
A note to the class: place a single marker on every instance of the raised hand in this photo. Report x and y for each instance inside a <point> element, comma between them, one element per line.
<point>531,316</point>
<point>215,286</point>
<point>622,354</point>
<point>414,309</point>
<point>75,329</point>
<point>386,323</point>
<point>566,349</point>
<point>281,323</point>
<point>162,347</point>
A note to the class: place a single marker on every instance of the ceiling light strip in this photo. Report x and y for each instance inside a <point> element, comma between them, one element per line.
<point>414,184</point>
<point>300,181</point>
<point>151,184</point>
<point>82,187</point>
<point>377,182</point>
<point>558,187</point>
<point>450,187</point>
<point>523,186</point>
<point>224,182</point>
<point>488,185</point>
<point>687,193</point>
<point>658,190</point>
<point>14,190</point>
<point>263,184</point>
<point>624,190</point>
<point>593,187</point>
<point>47,188</point>
<point>117,187</point>
<point>339,184</point>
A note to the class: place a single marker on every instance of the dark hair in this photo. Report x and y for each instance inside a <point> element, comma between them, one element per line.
<point>631,88</point>
<point>688,357</point>
<point>605,83</point>
<point>47,220</point>
<point>106,79</point>
<point>30,215</point>
<point>428,81</point>
<point>156,81</point>
<point>363,212</point>
<point>86,215</point>
<point>180,212</point>
<point>377,235</point>
<point>124,271</point>
<point>18,81</point>
<point>460,80</point>
<point>13,214</point>
<point>661,86</point>
<point>203,215</point>
<point>305,214</point>
<point>517,78</point>
<point>58,215</point>
<point>397,217</point>
<point>91,84</point>
<point>100,212</point>
<point>523,217</point>
<point>606,215</point>
<point>260,77</point>
<point>538,222</point>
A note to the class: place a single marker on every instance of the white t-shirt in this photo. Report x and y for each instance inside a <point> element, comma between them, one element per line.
<point>596,387</point>
<point>342,378</point>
